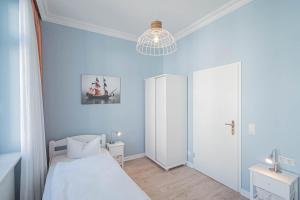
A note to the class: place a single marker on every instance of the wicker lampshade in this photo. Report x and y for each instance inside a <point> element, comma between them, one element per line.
<point>156,41</point>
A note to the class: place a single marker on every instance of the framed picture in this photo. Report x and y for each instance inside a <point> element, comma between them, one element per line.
<point>100,89</point>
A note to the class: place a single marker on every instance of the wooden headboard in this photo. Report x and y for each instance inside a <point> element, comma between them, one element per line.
<point>53,145</point>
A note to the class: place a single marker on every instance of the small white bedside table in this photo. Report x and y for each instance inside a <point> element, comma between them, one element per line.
<point>281,186</point>
<point>116,150</point>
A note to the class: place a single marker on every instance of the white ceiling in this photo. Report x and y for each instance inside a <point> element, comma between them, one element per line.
<point>128,19</point>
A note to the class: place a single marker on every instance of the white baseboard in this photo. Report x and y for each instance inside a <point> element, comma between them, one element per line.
<point>189,164</point>
<point>135,156</point>
<point>245,193</point>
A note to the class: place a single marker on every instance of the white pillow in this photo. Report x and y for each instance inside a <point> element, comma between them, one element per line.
<point>78,149</point>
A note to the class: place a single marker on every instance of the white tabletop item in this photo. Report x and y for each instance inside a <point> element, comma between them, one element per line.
<point>116,150</point>
<point>266,184</point>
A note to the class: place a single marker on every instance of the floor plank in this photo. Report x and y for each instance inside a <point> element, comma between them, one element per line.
<point>182,183</point>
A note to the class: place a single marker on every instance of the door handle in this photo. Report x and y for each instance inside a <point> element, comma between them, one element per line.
<point>232,124</point>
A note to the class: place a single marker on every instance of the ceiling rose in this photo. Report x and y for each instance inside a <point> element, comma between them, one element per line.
<point>156,41</point>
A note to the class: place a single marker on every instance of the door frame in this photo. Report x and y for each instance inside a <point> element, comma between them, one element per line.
<point>239,135</point>
<point>239,64</point>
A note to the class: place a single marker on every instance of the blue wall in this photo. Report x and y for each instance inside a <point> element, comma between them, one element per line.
<point>265,37</point>
<point>68,53</point>
<point>9,82</point>
<point>9,76</point>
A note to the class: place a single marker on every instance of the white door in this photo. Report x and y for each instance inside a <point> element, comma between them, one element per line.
<point>161,120</point>
<point>150,118</point>
<point>216,102</point>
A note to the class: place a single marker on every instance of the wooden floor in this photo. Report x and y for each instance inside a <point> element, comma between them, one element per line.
<point>182,183</point>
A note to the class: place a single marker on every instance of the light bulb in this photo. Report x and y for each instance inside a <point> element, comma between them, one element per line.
<point>156,39</point>
<point>119,133</point>
<point>269,160</point>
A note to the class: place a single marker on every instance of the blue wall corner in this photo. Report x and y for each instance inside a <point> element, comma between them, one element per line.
<point>264,36</point>
<point>68,53</point>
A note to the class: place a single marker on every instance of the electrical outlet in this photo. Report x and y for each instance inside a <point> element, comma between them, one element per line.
<point>287,161</point>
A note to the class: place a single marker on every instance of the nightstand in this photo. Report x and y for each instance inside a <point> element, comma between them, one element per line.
<point>116,150</point>
<point>266,184</point>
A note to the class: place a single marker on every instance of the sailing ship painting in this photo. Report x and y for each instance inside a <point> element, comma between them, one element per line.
<point>100,89</point>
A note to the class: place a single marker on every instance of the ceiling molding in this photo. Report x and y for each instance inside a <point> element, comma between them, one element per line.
<point>49,17</point>
<point>42,4</point>
<point>89,27</point>
<point>211,17</point>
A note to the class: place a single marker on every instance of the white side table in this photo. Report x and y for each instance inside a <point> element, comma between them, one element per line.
<point>281,186</point>
<point>7,176</point>
<point>116,150</point>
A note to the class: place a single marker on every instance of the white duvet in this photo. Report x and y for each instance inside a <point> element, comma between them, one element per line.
<point>97,177</point>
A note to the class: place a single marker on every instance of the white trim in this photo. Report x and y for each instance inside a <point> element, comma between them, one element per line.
<point>163,75</point>
<point>189,164</point>
<point>65,21</point>
<point>43,8</point>
<point>240,126</point>
<point>135,156</point>
<point>239,135</point>
<point>245,193</point>
<point>89,27</point>
<point>211,17</point>
<point>7,162</point>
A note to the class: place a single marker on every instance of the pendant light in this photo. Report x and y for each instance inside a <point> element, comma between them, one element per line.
<point>156,41</point>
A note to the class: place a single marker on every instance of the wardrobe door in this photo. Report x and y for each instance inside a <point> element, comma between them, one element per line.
<point>161,121</point>
<point>176,120</point>
<point>150,118</point>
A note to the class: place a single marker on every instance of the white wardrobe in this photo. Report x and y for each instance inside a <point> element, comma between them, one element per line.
<point>166,120</point>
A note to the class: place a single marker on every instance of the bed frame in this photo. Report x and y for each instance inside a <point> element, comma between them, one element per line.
<point>59,147</point>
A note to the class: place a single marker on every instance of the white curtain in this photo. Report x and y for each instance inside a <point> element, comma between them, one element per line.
<point>33,148</point>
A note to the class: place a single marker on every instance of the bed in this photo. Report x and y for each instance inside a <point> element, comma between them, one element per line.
<point>97,177</point>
